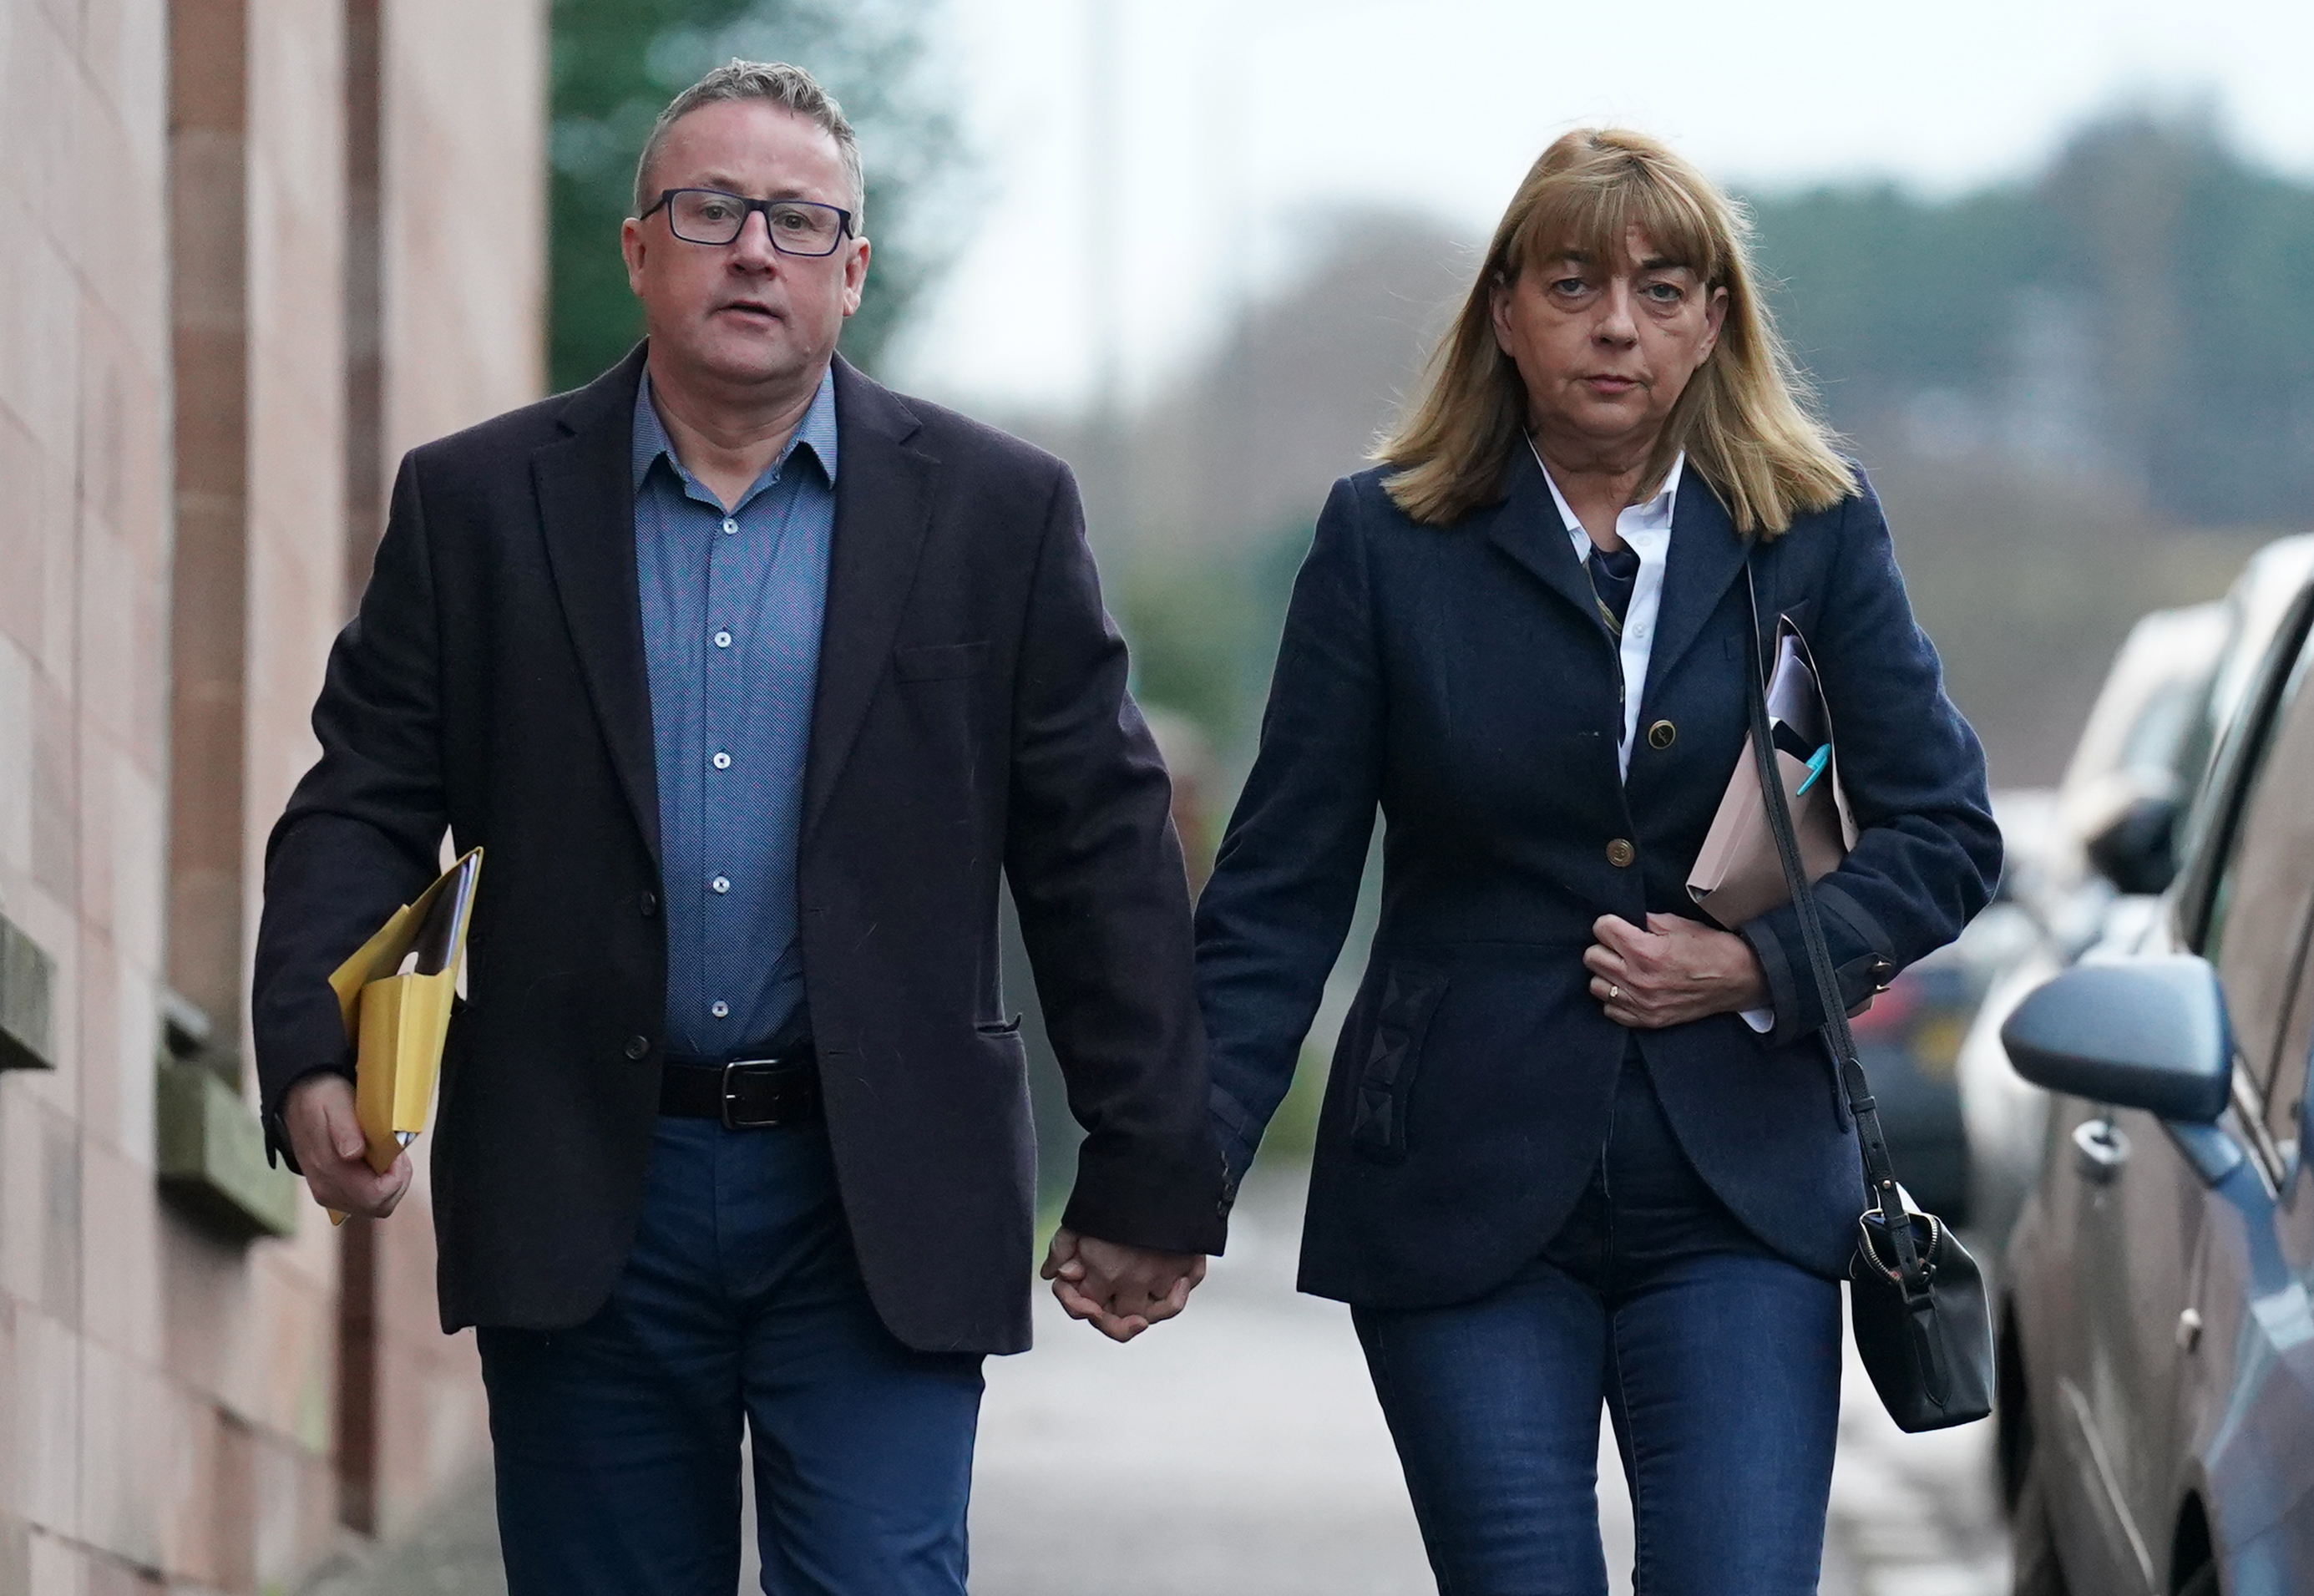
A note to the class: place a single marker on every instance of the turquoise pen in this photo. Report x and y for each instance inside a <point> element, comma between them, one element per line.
<point>1815,767</point>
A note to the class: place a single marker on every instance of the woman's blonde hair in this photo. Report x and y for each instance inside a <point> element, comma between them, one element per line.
<point>1744,418</point>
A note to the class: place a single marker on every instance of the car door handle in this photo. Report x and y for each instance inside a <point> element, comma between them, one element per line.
<point>2100,1148</point>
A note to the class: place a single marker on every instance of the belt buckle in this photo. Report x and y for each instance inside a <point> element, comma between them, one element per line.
<point>732,1123</point>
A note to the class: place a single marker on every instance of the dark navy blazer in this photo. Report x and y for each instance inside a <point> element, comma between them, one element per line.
<point>969,725</point>
<point>1460,679</point>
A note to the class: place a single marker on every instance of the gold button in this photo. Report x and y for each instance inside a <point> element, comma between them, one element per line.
<point>1661,734</point>
<point>1620,853</point>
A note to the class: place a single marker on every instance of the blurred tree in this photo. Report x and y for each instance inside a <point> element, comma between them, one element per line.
<point>2142,312</point>
<point>616,63</point>
<point>1202,623</point>
<point>1882,292</point>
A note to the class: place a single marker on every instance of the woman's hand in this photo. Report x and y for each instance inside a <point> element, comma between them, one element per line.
<point>1675,971</point>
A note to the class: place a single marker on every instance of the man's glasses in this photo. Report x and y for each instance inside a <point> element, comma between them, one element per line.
<point>711,216</point>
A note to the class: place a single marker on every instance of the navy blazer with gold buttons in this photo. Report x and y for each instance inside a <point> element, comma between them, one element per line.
<point>1459,680</point>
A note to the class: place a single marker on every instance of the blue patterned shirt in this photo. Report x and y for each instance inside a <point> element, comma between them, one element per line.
<point>732,605</point>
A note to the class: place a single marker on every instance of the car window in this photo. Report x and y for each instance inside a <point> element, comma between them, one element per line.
<point>2286,1097</point>
<point>2267,879</point>
<point>2158,740</point>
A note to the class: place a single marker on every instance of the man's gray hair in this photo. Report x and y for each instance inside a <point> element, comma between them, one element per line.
<point>791,88</point>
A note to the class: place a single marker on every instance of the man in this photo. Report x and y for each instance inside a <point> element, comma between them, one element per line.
<point>750,676</point>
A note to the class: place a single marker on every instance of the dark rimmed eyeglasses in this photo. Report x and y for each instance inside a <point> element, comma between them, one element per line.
<point>711,216</point>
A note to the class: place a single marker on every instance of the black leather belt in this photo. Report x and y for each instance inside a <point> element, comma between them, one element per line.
<point>746,1094</point>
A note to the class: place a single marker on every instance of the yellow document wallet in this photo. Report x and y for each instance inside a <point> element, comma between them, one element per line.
<point>395,993</point>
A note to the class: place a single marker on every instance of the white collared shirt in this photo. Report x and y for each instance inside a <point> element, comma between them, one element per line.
<point>1646,530</point>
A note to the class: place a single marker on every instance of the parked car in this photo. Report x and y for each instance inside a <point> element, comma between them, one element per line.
<point>2004,1116</point>
<point>2157,1332</point>
<point>2087,874</point>
<point>2141,752</point>
<point>2138,845</point>
<point>2144,746</point>
<point>1907,1042</point>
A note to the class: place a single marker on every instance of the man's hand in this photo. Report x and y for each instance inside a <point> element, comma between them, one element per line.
<point>327,1138</point>
<point>1675,971</point>
<point>1122,1290</point>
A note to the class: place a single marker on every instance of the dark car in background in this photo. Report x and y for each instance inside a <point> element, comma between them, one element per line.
<point>2157,1331</point>
<point>1907,1043</point>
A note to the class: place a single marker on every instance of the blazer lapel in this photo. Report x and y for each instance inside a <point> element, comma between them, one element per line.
<point>883,510</point>
<point>1707,555</point>
<point>586,504</point>
<point>1526,525</point>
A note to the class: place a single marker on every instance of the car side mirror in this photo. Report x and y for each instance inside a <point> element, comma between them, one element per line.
<point>2148,1034</point>
<point>2136,848</point>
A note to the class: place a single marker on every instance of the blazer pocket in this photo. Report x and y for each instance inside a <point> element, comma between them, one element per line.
<point>939,662</point>
<point>1800,612</point>
<point>1401,1021</point>
<point>1007,1053</point>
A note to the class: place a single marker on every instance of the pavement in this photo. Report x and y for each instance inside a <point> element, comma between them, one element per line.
<point>1240,1450</point>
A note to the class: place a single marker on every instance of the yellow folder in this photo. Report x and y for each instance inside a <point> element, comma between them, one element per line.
<point>395,993</point>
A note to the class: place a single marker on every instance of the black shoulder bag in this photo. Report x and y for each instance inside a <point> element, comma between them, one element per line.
<point>1916,1298</point>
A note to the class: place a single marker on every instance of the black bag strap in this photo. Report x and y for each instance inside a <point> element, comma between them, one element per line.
<point>1879,1172</point>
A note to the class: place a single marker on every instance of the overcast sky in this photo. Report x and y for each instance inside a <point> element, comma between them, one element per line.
<point>1237,120</point>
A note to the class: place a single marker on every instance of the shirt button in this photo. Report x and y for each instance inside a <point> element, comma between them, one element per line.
<point>723,760</point>
<point>723,883</point>
<point>1661,734</point>
<point>729,527</point>
<point>1620,853</point>
<point>638,1047</point>
<point>720,1009</point>
<point>722,640</point>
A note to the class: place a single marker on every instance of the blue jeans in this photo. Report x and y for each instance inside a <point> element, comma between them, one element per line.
<point>618,1442</point>
<point>1717,1360</point>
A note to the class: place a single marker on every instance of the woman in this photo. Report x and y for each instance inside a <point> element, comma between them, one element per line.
<point>1578,1144</point>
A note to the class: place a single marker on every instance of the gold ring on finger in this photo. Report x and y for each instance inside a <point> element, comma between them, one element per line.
<point>1614,991</point>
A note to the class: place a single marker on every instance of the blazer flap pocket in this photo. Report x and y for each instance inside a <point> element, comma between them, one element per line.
<point>1800,612</point>
<point>1408,996</point>
<point>937,662</point>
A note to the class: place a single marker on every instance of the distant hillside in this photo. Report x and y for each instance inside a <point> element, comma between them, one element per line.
<point>2140,315</point>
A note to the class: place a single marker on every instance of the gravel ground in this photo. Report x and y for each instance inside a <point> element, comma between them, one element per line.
<point>1240,1450</point>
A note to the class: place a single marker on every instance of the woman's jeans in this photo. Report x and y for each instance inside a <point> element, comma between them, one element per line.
<point>1719,1362</point>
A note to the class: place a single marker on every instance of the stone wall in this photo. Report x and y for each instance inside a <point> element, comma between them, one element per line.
<point>463,223</point>
<point>193,483</point>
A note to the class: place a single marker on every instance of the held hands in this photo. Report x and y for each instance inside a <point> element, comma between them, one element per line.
<point>327,1138</point>
<point>1122,1290</point>
<point>1675,971</point>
